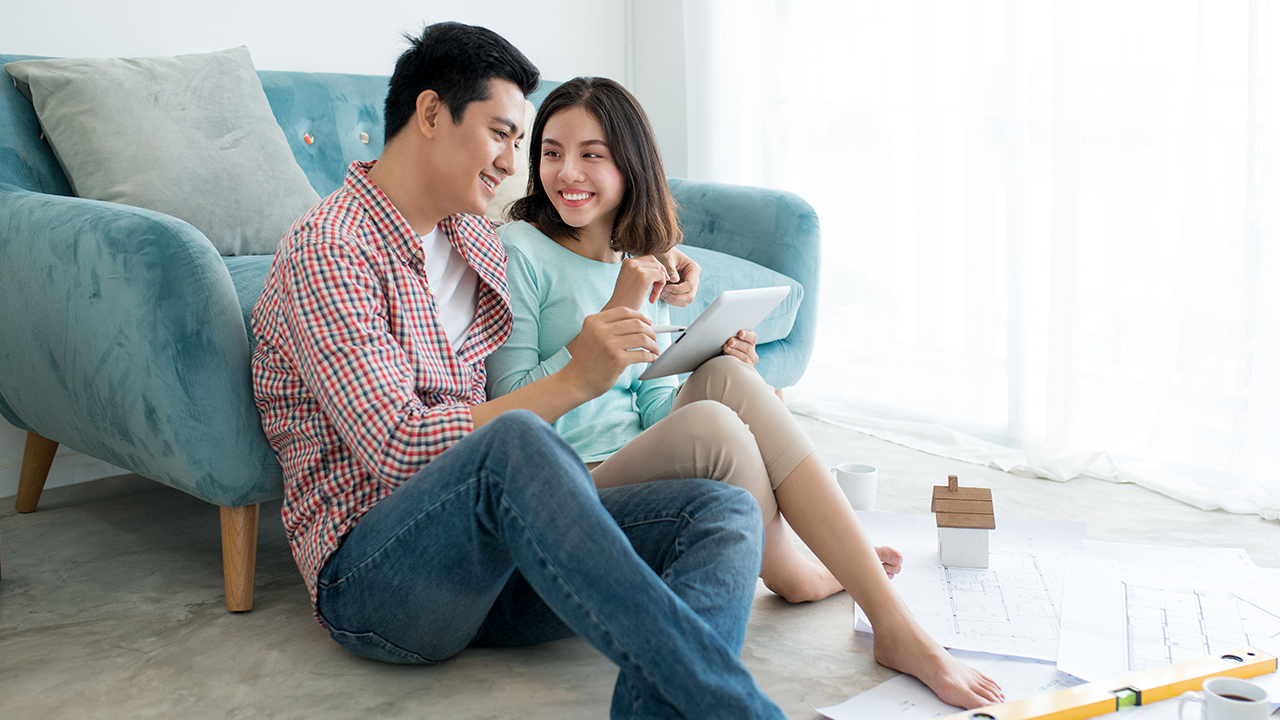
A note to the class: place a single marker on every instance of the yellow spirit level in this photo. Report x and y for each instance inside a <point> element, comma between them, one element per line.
<point>1137,688</point>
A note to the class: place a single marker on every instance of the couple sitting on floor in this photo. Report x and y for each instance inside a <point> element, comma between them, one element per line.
<point>408,368</point>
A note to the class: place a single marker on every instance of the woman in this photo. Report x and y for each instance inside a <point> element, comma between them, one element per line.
<point>583,242</point>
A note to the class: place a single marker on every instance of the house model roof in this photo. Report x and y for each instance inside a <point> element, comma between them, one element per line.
<point>959,507</point>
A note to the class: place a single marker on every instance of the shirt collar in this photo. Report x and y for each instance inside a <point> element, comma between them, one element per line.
<point>407,244</point>
<point>392,226</point>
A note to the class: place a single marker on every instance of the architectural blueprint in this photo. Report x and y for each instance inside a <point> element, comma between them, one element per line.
<point>906,698</point>
<point>1121,616</point>
<point>1012,607</point>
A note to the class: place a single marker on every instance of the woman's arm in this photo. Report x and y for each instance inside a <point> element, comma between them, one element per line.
<point>602,347</point>
<point>516,363</point>
<point>640,280</point>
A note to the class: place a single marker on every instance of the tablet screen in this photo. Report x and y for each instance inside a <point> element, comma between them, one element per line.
<point>732,311</point>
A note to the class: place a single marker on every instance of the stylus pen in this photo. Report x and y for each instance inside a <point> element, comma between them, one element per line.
<point>667,328</point>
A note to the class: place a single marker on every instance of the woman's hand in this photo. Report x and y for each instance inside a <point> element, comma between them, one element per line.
<point>683,285</point>
<point>742,346</point>
<point>640,279</point>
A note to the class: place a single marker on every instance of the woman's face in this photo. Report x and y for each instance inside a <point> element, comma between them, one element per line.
<point>578,172</point>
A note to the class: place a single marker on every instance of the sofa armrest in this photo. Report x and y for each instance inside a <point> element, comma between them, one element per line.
<point>772,228</point>
<point>121,337</point>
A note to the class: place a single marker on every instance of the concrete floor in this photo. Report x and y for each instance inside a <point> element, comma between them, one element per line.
<point>111,606</point>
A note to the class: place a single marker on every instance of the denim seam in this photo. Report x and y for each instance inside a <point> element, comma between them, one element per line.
<point>390,646</point>
<point>678,546</point>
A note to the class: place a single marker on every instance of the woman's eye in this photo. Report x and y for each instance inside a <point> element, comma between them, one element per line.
<point>550,153</point>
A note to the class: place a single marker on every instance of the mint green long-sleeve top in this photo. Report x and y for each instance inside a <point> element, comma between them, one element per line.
<point>553,290</point>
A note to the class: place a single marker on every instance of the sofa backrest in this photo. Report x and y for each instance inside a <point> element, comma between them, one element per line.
<point>26,161</point>
<point>329,119</point>
<point>340,114</point>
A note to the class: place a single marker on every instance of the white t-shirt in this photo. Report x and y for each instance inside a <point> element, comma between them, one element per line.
<point>454,284</point>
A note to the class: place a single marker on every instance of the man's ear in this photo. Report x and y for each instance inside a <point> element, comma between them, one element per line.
<point>430,111</point>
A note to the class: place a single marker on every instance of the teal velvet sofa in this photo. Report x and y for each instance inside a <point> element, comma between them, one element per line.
<point>123,333</point>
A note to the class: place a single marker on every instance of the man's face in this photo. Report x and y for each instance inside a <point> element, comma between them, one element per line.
<point>479,152</point>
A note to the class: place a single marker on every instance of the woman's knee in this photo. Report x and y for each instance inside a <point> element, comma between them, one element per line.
<point>729,365</point>
<point>715,377</point>
<point>716,423</point>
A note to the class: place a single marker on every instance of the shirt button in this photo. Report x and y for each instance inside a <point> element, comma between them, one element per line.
<point>431,292</point>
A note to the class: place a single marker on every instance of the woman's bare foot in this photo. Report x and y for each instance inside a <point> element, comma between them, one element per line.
<point>910,650</point>
<point>890,559</point>
<point>797,579</point>
<point>787,572</point>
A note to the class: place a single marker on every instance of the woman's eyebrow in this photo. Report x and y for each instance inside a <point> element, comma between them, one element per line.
<point>553,141</point>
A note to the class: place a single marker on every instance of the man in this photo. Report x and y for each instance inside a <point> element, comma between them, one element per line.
<point>425,519</point>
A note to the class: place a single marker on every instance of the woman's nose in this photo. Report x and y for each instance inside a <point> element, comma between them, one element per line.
<point>571,171</point>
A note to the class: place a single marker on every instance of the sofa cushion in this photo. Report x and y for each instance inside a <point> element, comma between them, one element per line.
<point>190,136</point>
<point>722,272</point>
<point>249,276</point>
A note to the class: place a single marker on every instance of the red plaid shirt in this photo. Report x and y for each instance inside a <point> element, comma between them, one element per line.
<point>356,383</point>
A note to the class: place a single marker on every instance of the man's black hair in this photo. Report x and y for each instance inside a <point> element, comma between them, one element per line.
<point>457,61</point>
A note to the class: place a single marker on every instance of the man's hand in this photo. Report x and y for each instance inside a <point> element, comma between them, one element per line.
<point>742,346</point>
<point>609,341</point>
<point>684,272</point>
<point>640,279</point>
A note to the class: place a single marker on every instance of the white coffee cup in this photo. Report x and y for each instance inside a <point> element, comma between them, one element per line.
<point>858,483</point>
<point>1228,698</point>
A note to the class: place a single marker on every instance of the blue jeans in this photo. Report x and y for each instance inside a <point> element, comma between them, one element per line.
<point>504,540</point>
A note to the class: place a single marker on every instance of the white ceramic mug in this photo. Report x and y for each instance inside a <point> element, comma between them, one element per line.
<point>858,483</point>
<point>1228,698</point>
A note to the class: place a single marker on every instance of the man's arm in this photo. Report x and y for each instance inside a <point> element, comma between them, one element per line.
<point>609,342</point>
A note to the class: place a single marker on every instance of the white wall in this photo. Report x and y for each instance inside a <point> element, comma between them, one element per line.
<point>657,76</point>
<point>562,38</point>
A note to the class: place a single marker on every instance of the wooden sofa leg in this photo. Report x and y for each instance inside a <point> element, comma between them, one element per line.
<point>239,554</point>
<point>37,458</point>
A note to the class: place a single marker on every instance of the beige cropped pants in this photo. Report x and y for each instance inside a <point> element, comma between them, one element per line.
<point>726,424</point>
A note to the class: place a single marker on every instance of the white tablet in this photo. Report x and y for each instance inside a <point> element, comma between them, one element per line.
<point>734,310</point>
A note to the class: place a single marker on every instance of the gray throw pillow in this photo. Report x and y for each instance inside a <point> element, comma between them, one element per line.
<point>190,136</point>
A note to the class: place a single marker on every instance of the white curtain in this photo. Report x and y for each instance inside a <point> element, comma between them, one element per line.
<point>1050,229</point>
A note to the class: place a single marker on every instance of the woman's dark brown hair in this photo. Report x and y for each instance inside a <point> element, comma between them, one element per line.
<point>646,221</point>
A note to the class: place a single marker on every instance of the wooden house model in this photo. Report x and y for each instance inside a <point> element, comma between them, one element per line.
<point>965,518</point>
